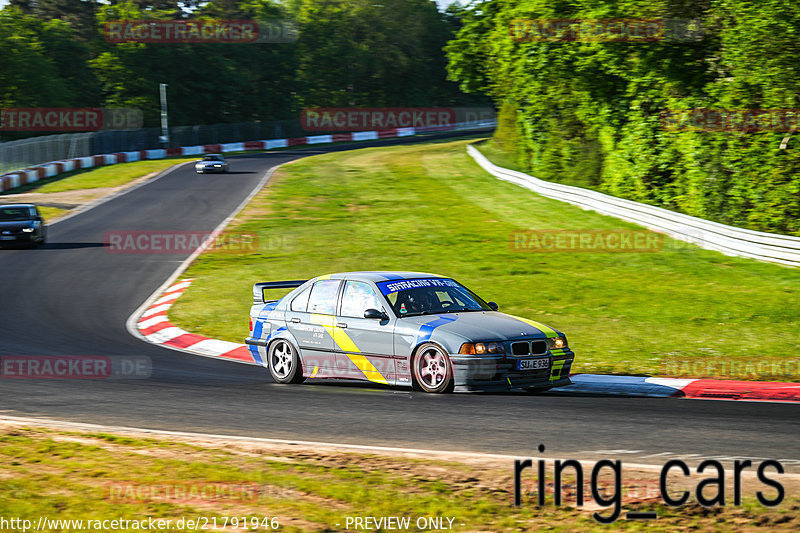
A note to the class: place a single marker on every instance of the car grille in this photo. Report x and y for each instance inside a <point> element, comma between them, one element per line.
<point>529,348</point>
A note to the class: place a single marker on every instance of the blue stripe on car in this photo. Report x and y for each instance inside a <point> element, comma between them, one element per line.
<point>254,353</point>
<point>269,306</point>
<point>254,349</point>
<point>258,328</point>
<point>426,330</point>
<point>282,328</point>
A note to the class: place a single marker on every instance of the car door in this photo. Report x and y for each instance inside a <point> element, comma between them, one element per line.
<point>364,346</point>
<point>309,319</point>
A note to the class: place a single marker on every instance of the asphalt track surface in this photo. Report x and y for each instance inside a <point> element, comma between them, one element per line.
<point>73,297</point>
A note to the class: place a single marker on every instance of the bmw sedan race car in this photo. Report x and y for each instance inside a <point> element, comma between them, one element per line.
<point>21,224</point>
<point>401,328</point>
<point>211,163</point>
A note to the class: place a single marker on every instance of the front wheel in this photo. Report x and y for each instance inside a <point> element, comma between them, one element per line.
<point>284,363</point>
<point>433,371</point>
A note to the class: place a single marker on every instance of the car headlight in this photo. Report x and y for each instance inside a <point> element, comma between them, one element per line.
<point>481,348</point>
<point>28,230</point>
<point>557,343</point>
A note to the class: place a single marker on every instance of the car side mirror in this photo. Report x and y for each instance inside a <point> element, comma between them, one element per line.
<point>374,313</point>
<point>494,306</point>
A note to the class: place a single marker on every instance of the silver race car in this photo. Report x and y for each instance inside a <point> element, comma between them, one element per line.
<point>211,163</point>
<point>401,328</point>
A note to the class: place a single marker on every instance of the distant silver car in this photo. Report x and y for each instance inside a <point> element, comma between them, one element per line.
<point>211,163</point>
<point>402,328</point>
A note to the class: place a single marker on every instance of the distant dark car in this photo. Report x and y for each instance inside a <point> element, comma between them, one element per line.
<point>211,163</point>
<point>21,224</point>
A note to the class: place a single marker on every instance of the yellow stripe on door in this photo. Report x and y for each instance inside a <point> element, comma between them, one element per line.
<point>346,344</point>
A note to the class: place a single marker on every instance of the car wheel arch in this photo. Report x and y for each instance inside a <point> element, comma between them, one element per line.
<point>413,363</point>
<point>297,372</point>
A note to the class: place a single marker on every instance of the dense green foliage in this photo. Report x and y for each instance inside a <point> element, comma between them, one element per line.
<point>348,53</point>
<point>431,208</point>
<point>589,113</point>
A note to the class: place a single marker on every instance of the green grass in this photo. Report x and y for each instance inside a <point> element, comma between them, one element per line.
<point>431,208</point>
<point>498,156</point>
<point>51,213</point>
<point>64,476</point>
<point>110,176</point>
<point>93,178</point>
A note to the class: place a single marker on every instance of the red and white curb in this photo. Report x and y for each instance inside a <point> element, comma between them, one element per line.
<point>46,170</point>
<point>155,327</point>
<point>716,389</point>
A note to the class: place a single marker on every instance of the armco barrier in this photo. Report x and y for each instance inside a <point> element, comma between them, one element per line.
<point>729,240</point>
<point>30,175</point>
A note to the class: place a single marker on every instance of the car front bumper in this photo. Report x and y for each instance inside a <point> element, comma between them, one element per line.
<point>19,238</point>
<point>205,170</point>
<point>492,373</point>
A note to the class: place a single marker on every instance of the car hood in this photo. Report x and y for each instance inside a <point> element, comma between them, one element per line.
<point>211,162</point>
<point>15,225</point>
<point>479,326</point>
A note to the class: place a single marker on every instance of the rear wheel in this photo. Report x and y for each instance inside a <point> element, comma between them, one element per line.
<point>284,363</point>
<point>433,371</point>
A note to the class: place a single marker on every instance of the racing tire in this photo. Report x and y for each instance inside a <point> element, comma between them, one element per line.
<point>284,363</point>
<point>432,369</point>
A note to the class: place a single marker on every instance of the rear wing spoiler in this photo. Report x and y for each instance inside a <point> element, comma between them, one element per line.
<point>260,288</point>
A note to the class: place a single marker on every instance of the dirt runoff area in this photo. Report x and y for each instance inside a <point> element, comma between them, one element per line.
<point>317,486</point>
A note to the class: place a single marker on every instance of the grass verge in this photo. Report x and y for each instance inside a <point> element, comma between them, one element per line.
<point>58,195</point>
<point>93,178</point>
<point>100,476</point>
<point>110,176</point>
<point>431,208</point>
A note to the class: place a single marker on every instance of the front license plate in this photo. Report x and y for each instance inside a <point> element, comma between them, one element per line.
<point>533,364</point>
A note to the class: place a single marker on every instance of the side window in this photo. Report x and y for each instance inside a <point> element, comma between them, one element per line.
<point>323,297</point>
<point>300,302</point>
<point>357,298</point>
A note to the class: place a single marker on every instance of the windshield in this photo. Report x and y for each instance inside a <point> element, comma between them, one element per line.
<point>413,297</point>
<point>16,213</point>
<point>212,158</point>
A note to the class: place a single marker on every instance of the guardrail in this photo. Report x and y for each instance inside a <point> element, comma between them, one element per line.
<point>768,247</point>
<point>17,178</point>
